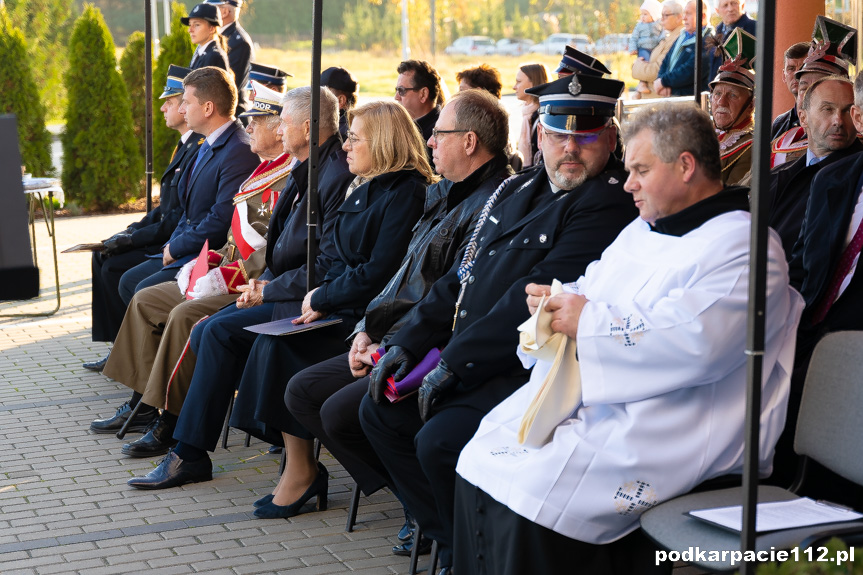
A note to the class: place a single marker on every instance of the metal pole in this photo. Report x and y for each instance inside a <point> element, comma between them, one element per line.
<point>406,48</point>
<point>699,42</point>
<point>312,210</point>
<point>757,270</point>
<point>166,16</point>
<point>148,98</point>
<point>433,37</point>
<point>154,11</point>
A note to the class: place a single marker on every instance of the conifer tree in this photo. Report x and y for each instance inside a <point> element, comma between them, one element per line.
<point>132,71</point>
<point>175,48</point>
<point>20,96</point>
<point>101,164</point>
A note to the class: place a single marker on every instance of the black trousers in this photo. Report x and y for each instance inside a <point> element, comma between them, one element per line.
<point>491,539</point>
<point>325,399</point>
<point>108,307</point>
<point>421,458</point>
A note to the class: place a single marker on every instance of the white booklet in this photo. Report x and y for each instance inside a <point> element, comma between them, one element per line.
<point>776,515</point>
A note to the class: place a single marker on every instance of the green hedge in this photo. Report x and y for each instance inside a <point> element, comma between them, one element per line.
<point>132,72</point>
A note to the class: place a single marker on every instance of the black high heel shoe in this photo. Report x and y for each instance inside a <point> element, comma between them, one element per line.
<point>319,488</point>
<point>263,501</point>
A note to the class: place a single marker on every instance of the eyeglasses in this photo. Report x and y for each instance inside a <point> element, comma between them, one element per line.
<point>401,91</point>
<point>352,139</point>
<point>669,15</point>
<point>581,138</point>
<point>436,133</point>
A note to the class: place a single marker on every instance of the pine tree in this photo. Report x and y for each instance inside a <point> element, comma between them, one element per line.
<point>132,71</point>
<point>101,165</point>
<point>175,48</point>
<point>20,96</point>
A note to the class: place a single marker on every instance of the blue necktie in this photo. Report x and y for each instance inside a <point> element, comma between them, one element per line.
<point>203,150</point>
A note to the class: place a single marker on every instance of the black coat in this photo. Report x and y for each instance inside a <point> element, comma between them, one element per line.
<point>371,234</point>
<point>439,238</point>
<point>241,54</point>
<point>714,59</point>
<point>287,234</point>
<point>156,227</point>
<point>213,56</point>
<point>789,191</point>
<point>784,122</point>
<point>518,245</point>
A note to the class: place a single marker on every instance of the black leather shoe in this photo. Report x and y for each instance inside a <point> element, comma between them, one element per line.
<point>157,441</point>
<point>173,472</point>
<point>406,533</point>
<point>407,547</point>
<point>145,416</point>
<point>98,365</point>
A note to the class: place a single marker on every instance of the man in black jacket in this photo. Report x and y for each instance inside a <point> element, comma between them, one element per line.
<point>241,50</point>
<point>468,150</point>
<point>549,222</point>
<point>127,249</point>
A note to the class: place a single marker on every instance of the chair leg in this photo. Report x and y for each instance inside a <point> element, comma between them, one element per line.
<point>415,556</point>
<point>283,461</point>
<point>317,449</point>
<point>352,511</point>
<point>433,560</point>
<point>122,433</point>
<point>248,440</point>
<point>225,429</point>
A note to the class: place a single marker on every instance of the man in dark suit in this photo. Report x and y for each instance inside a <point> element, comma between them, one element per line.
<point>241,50</point>
<point>279,292</point>
<point>418,89</point>
<point>826,116</point>
<point>549,222</point>
<point>793,60</point>
<point>209,182</point>
<point>825,270</point>
<point>733,16</point>
<point>127,249</point>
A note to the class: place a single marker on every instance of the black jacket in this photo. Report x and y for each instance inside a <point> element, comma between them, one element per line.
<point>439,238</point>
<point>156,227</point>
<point>212,56</point>
<point>241,53</point>
<point>286,246</point>
<point>371,234</point>
<point>784,122</point>
<point>518,245</point>
<point>789,191</point>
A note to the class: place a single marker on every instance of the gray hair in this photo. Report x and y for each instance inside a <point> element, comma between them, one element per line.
<point>673,5</point>
<point>810,90</point>
<point>298,104</point>
<point>270,121</point>
<point>678,128</point>
<point>858,89</point>
<point>479,112</point>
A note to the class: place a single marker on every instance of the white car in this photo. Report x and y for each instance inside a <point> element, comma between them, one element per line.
<point>556,43</point>
<point>513,46</point>
<point>471,46</point>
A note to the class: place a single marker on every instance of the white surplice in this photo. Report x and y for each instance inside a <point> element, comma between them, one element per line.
<point>661,350</point>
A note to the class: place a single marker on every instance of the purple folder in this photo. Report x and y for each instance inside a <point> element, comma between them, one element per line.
<point>398,390</point>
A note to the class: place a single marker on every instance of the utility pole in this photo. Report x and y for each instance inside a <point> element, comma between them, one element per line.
<point>406,47</point>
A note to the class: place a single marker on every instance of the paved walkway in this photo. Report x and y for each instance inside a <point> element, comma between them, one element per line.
<point>64,503</point>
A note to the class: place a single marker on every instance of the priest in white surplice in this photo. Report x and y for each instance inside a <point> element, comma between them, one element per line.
<point>660,327</point>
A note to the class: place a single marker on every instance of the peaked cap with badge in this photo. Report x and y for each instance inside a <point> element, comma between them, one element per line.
<point>737,69</point>
<point>174,83</point>
<point>207,12</point>
<point>577,103</point>
<point>577,62</point>
<point>234,3</point>
<point>268,75</point>
<point>265,102</point>
<point>833,49</point>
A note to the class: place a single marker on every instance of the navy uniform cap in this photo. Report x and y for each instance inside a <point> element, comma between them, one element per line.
<point>267,75</point>
<point>207,12</point>
<point>174,83</point>
<point>237,3</point>
<point>577,103</point>
<point>338,79</point>
<point>577,62</point>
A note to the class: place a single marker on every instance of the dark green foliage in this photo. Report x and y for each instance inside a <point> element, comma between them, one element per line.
<point>132,71</point>
<point>175,48</point>
<point>19,96</point>
<point>101,166</point>
<point>47,25</point>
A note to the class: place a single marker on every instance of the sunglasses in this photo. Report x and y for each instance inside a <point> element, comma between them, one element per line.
<point>402,91</point>
<point>581,138</point>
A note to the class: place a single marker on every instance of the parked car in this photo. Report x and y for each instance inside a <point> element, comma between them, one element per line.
<point>611,43</point>
<point>513,46</point>
<point>472,46</point>
<point>555,44</point>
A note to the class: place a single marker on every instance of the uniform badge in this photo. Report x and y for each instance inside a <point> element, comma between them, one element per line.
<point>195,10</point>
<point>543,238</point>
<point>574,85</point>
<point>612,180</point>
<point>356,203</point>
<point>238,37</point>
<point>201,141</point>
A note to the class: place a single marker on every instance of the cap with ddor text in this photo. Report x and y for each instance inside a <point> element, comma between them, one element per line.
<point>174,83</point>
<point>265,102</point>
<point>207,12</point>
<point>577,103</point>
<point>269,75</point>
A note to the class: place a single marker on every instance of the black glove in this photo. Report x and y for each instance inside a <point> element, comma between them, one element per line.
<point>398,362</point>
<point>118,244</point>
<point>436,383</point>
